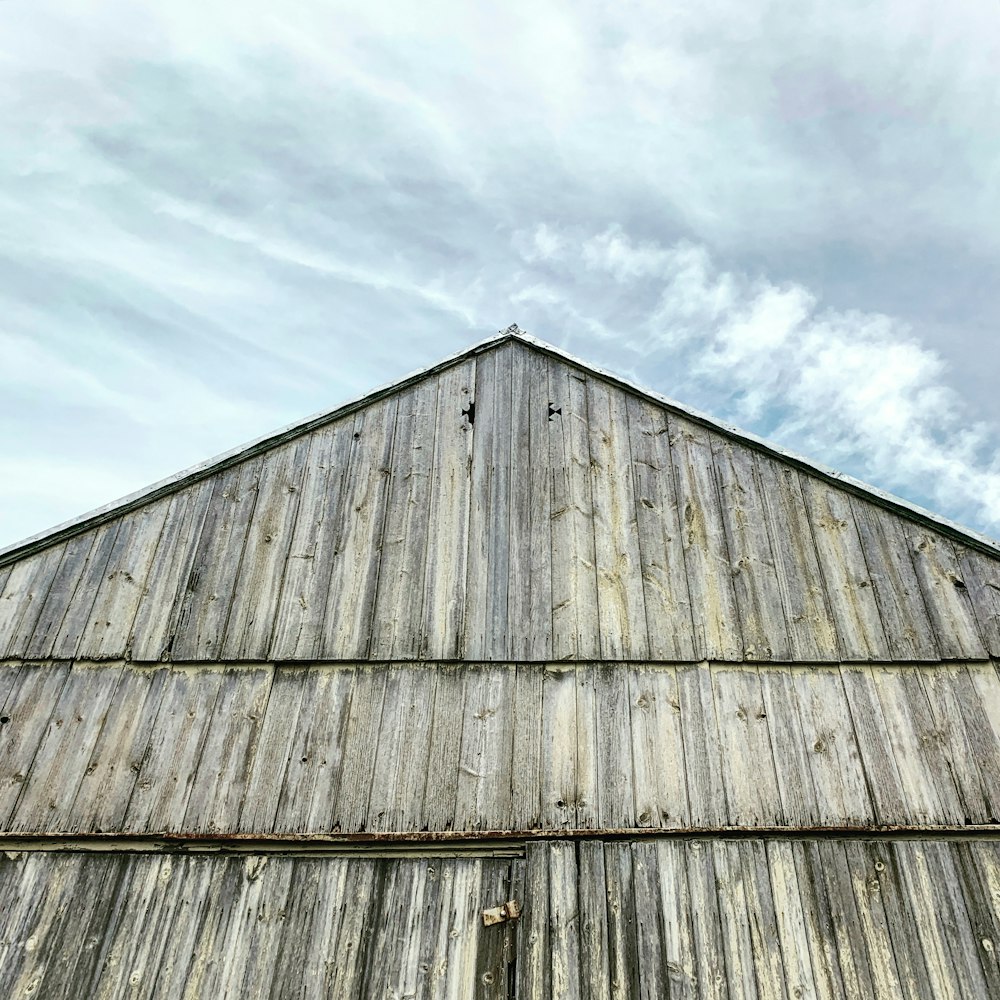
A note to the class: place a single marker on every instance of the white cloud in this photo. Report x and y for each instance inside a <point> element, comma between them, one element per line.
<point>852,387</point>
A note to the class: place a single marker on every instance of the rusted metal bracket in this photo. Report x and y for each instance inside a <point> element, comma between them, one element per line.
<point>510,910</point>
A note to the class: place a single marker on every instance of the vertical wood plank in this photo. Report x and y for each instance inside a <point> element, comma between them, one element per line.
<point>396,621</point>
<point>527,760</point>
<point>559,748</point>
<point>319,521</point>
<point>564,921</point>
<point>346,625</point>
<point>30,707</point>
<point>792,754</point>
<point>702,752</point>
<point>118,595</point>
<point>529,591</point>
<point>813,631</point>
<point>534,967</point>
<point>664,576</point>
<point>791,919</point>
<point>266,553</point>
<point>766,630</point>
<point>616,807</point>
<point>448,534</point>
<point>716,618</point>
<point>709,952</point>
<point>842,792</point>
<point>981,575</point>
<point>844,571</point>
<point>171,756</point>
<point>907,628</point>
<point>110,776</point>
<point>748,772</point>
<point>21,610</point>
<point>620,600</point>
<point>945,593</point>
<point>575,611</point>
<point>441,790</point>
<point>209,591</point>
<point>160,602</point>
<point>64,583</point>
<point>486,615</point>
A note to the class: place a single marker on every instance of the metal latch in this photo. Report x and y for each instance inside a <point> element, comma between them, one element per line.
<point>510,910</point>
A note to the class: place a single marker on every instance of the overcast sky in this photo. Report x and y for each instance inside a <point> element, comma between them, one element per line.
<point>217,218</point>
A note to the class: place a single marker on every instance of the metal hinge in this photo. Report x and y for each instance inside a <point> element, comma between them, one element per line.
<point>510,910</point>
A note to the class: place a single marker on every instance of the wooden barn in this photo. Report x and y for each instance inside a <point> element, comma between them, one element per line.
<point>508,680</point>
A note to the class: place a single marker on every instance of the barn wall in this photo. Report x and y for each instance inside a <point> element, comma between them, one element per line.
<point>568,519</point>
<point>377,748</point>
<point>739,919</point>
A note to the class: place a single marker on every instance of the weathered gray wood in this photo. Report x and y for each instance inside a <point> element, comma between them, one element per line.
<point>346,629</point>
<point>527,752</point>
<point>300,610</point>
<point>615,801</point>
<point>401,752</point>
<point>159,798</point>
<point>745,743</point>
<point>575,611</point>
<point>741,979</point>
<point>873,921</point>
<point>32,600</point>
<point>208,594</point>
<point>623,945</point>
<point>766,630</point>
<point>621,603</point>
<point>160,603</point>
<point>675,908</point>
<point>838,773</point>
<point>884,784</point>
<point>664,576</point>
<point>266,554</point>
<point>360,748</point>
<point>793,756</point>
<point>588,776</point>
<point>223,766</point>
<point>29,601</point>
<point>907,627</point>
<point>564,921</point>
<point>812,629</point>
<point>486,618</point>
<point>117,599</point>
<point>842,565</point>
<point>714,612</point>
<point>396,619</point>
<point>441,785</point>
<point>483,797</point>
<point>60,760</point>
<point>559,748</point>
<point>65,580</point>
<point>534,958</point>
<point>529,585</point>
<point>659,781</point>
<point>29,710</point>
<point>111,773</point>
<point>448,534</point>
<point>789,919</point>
<point>594,892</point>
<point>706,922</point>
<point>315,762</point>
<point>67,637</point>
<point>945,593</point>
<point>702,755</point>
<point>981,575</point>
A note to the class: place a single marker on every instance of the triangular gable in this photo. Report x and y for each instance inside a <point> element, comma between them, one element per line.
<point>566,515</point>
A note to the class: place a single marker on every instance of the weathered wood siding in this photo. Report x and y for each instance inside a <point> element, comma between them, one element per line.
<point>732,920</point>
<point>298,750</point>
<point>563,518</point>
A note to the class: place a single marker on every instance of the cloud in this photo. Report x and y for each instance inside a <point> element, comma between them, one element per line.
<point>856,389</point>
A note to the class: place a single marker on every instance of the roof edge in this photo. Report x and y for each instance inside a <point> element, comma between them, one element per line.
<point>203,470</point>
<point>883,498</point>
<point>217,463</point>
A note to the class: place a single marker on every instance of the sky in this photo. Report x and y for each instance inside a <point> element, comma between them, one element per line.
<point>219,218</point>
